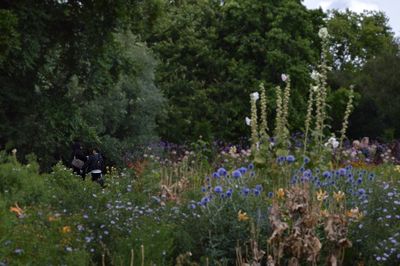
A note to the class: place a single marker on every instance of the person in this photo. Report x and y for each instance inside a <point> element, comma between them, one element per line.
<point>77,153</point>
<point>364,146</point>
<point>94,165</point>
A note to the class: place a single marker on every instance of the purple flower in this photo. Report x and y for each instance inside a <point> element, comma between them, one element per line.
<point>259,187</point>
<point>236,174</point>
<point>326,174</point>
<point>245,191</point>
<point>306,160</point>
<point>251,166</point>
<point>222,172</point>
<point>290,158</point>
<point>342,171</point>
<point>270,194</point>
<point>256,192</point>
<point>229,193</point>
<point>215,175</point>
<point>218,189</point>
<point>242,170</point>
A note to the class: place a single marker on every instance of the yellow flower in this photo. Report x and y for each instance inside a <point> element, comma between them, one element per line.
<point>397,168</point>
<point>17,210</point>
<point>338,196</point>
<point>321,195</point>
<point>242,216</point>
<point>280,193</point>
<point>66,229</point>
<point>354,213</point>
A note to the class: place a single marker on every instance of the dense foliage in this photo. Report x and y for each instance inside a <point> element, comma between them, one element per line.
<point>117,76</point>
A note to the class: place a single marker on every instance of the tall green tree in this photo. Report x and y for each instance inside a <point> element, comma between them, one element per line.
<point>70,69</point>
<point>215,53</point>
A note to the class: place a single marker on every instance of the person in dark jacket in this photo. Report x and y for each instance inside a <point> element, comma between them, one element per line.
<point>77,153</point>
<point>94,165</point>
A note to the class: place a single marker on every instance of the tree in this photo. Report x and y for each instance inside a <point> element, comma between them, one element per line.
<point>215,53</point>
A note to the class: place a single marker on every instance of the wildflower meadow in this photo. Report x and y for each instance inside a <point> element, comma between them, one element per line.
<point>224,163</point>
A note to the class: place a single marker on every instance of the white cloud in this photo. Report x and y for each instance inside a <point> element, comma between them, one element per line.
<point>360,6</point>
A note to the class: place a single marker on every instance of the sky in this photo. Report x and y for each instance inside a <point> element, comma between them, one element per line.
<point>390,7</point>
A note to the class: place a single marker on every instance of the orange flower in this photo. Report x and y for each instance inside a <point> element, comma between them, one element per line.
<point>17,210</point>
<point>66,229</point>
<point>338,196</point>
<point>242,216</point>
<point>321,195</point>
<point>354,213</point>
<point>280,193</point>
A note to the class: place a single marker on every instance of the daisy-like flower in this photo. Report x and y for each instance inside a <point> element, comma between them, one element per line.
<point>338,196</point>
<point>242,216</point>
<point>321,195</point>
<point>280,193</point>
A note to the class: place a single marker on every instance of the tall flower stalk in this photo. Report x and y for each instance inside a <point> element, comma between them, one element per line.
<point>264,123</point>
<point>322,92</point>
<point>345,124</point>
<point>308,117</point>
<point>285,108</point>
<point>254,131</point>
<point>279,112</point>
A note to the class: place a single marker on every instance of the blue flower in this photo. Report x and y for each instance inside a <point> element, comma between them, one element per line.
<point>256,192</point>
<point>306,160</point>
<point>218,189</point>
<point>342,171</point>
<point>215,175</point>
<point>229,193</point>
<point>222,172</point>
<point>359,180</point>
<point>242,170</point>
<point>259,187</point>
<point>205,200</point>
<point>203,189</point>
<point>361,191</point>
<point>281,159</point>
<point>290,158</point>
<point>326,174</point>
<point>270,194</point>
<point>252,173</point>
<point>236,174</point>
<point>251,166</point>
<point>245,191</point>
